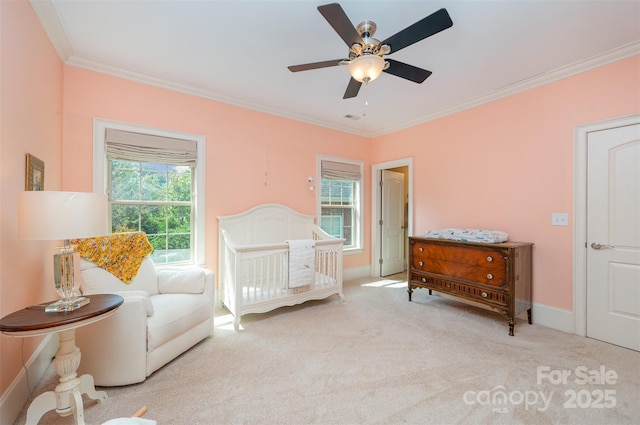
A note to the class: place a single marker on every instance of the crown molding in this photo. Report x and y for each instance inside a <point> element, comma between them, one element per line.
<point>605,58</point>
<point>139,77</point>
<point>49,20</point>
<point>48,17</point>
<point>614,55</point>
<point>53,27</point>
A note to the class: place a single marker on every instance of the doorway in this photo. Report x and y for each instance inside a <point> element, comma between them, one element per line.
<point>393,221</point>
<point>395,206</point>
<point>607,233</point>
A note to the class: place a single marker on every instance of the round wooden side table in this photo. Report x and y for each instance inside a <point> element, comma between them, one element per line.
<point>34,321</point>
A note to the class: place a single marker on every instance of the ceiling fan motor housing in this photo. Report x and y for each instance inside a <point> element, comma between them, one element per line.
<point>371,46</point>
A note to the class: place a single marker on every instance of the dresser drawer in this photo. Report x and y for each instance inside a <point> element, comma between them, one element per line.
<point>487,266</point>
<point>468,291</point>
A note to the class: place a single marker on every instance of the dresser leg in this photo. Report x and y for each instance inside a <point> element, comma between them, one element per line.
<point>511,322</point>
<point>410,291</point>
<point>430,293</point>
<point>529,316</point>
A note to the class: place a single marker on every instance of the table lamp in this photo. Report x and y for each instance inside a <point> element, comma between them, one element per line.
<point>51,215</point>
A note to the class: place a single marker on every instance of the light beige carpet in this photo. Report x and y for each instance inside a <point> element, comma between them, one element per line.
<point>378,359</point>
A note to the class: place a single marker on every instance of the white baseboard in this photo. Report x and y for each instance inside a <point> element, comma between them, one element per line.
<point>544,315</point>
<point>356,272</point>
<point>18,393</point>
<point>554,318</point>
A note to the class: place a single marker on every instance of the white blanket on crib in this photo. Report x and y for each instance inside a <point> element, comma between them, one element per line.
<point>302,266</point>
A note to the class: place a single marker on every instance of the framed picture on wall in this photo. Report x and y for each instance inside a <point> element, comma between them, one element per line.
<point>35,173</point>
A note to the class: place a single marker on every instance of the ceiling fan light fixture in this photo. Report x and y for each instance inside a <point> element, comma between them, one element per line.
<point>366,68</point>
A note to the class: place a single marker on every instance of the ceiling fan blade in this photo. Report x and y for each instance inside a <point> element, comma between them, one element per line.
<point>406,71</point>
<point>352,89</point>
<point>314,65</point>
<point>432,24</point>
<point>334,14</point>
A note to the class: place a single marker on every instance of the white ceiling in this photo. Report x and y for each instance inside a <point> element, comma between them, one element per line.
<point>238,51</point>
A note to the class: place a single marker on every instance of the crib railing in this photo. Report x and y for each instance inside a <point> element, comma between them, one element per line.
<point>255,278</point>
<point>263,275</point>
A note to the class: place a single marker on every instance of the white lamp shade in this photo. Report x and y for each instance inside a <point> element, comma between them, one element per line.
<point>50,215</point>
<point>366,68</point>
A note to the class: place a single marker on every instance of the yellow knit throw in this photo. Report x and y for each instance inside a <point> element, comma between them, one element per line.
<point>120,253</point>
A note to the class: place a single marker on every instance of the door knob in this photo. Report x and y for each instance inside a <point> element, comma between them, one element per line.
<point>596,245</point>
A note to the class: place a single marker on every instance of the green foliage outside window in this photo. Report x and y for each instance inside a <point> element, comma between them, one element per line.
<point>155,199</point>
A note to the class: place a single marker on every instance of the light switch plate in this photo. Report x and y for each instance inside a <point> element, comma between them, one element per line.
<point>560,219</point>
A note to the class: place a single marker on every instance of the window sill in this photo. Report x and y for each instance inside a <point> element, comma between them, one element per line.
<point>352,251</point>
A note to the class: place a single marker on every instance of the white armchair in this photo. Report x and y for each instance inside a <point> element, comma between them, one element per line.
<point>165,312</point>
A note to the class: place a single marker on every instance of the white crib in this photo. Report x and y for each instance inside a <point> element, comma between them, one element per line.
<point>253,269</point>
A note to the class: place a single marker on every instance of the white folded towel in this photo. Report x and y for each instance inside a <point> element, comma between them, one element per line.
<point>302,256</point>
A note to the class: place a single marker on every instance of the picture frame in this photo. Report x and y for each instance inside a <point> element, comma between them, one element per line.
<point>34,178</point>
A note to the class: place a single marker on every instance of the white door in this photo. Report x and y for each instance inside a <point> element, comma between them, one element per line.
<point>613,236</point>
<point>392,223</point>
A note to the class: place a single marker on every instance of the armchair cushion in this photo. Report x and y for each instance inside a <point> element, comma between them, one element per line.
<point>187,311</point>
<point>181,281</point>
<point>97,280</point>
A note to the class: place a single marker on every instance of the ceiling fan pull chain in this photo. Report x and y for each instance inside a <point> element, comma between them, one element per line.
<point>366,98</point>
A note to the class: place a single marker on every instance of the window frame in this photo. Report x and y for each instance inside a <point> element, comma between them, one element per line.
<point>358,243</point>
<point>151,203</point>
<point>101,167</point>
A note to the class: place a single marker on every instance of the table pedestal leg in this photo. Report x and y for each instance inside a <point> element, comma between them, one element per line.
<point>67,397</point>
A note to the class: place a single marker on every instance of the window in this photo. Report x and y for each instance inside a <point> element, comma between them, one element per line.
<point>154,198</point>
<point>332,224</point>
<point>155,184</point>
<point>340,200</point>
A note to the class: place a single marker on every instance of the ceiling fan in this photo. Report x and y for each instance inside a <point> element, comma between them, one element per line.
<point>366,53</point>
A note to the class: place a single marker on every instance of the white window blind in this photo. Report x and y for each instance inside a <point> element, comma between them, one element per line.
<point>332,170</point>
<point>129,146</point>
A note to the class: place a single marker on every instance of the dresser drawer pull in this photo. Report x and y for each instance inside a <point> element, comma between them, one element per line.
<point>489,276</point>
<point>489,259</point>
<point>420,263</point>
<point>421,249</point>
<point>424,280</point>
<point>484,295</point>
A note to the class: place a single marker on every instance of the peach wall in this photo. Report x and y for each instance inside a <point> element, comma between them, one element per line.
<point>509,164</point>
<point>238,141</point>
<point>30,122</point>
<point>512,157</point>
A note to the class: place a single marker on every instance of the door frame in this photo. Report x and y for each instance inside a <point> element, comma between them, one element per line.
<point>581,136</point>
<point>375,206</point>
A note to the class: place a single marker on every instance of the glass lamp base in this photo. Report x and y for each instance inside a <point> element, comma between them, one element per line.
<point>66,305</point>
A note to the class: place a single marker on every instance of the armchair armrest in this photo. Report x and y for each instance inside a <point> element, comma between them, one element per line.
<point>124,332</point>
<point>141,297</point>
<point>138,297</point>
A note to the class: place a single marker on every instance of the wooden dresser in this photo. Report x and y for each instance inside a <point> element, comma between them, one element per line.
<point>495,275</point>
